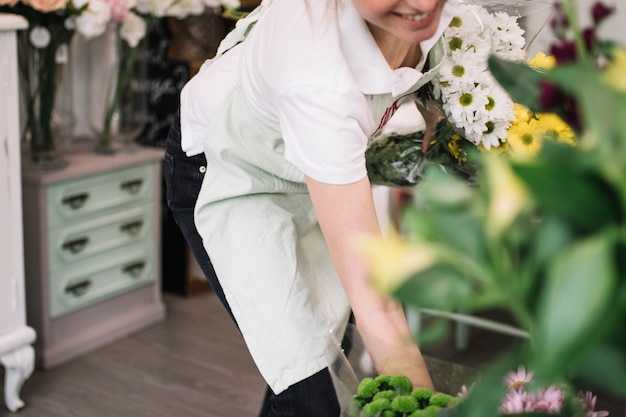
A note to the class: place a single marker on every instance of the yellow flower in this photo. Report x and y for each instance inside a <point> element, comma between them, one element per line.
<point>522,113</point>
<point>508,195</point>
<point>542,61</point>
<point>392,261</point>
<point>614,74</point>
<point>552,127</point>
<point>455,148</point>
<point>524,137</point>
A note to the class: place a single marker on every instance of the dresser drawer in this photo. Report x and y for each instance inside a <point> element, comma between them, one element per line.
<point>71,199</point>
<point>81,240</point>
<point>101,277</point>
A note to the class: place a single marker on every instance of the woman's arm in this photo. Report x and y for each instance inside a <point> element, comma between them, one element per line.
<point>345,212</point>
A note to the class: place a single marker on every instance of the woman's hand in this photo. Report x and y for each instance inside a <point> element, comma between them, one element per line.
<point>346,212</point>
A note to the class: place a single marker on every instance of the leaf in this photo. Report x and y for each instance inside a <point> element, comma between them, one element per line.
<point>519,80</point>
<point>440,287</point>
<point>576,296</point>
<point>602,107</point>
<point>604,369</point>
<point>432,331</point>
<point>587,203</point>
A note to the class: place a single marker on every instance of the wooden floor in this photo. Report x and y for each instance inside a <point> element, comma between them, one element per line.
<point>194,364</point>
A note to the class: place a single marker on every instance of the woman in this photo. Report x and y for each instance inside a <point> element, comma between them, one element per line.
<point>283,119</point>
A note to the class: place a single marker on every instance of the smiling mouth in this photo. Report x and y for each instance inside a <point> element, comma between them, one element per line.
<point>415,17</point>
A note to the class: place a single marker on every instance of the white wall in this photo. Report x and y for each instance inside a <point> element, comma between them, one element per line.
<point>610,29</point>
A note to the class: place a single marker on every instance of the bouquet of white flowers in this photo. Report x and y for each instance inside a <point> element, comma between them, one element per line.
<point>464,107</point>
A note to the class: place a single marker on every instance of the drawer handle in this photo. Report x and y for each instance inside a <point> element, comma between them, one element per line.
<point>76,201</point>
<point>77,245</point>
<point>132,187</point>
<point>79,289</point>
<point>132,228</point>
<point>135,269</point>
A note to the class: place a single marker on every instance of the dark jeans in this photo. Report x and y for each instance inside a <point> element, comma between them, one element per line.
<point>312,397</point>
<point>183,178</point>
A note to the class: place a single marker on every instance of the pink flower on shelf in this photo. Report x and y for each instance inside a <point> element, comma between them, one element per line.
<point>119,10</point>
<point>549,400</point>
<point>518,380</point>
<point>589,402</point>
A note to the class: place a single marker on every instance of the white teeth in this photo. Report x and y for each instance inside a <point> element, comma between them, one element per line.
<point>415,16</point>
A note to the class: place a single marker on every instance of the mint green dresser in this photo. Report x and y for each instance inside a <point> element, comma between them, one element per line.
<point>92,247</point>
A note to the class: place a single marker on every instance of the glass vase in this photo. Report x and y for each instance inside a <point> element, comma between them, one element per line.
<point>47,117</point>
<point>118,107</point>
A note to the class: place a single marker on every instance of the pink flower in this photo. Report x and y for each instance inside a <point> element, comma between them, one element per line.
<point>589,402</point>
<point>516,402</point>
<point>119,9</point>
<point>464,392</point>
<point>46,5</point>
<point>549,400</point>
<point>518,380</point>
<point>9,3</point>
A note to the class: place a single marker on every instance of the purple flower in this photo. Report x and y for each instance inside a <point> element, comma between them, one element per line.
<point>549,400</point>
<point>590,38</point>
<point>518,380</point>
<point>516,402</point>
<point>564,52</point>
<point>589,402</point>
<point>600,11</point>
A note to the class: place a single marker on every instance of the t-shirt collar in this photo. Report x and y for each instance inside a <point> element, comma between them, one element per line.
<point>368,64</point>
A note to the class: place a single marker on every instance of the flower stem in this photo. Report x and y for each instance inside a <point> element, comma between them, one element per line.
<point>126,56</point>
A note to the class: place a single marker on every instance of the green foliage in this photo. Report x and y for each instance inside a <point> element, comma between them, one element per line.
<point>558,265</point>
<point>440,399</point>
<point>368,387</point>
<point>422,394</point>
<point>404,404</point>
<point>394,396</point>
<point>401,384</point>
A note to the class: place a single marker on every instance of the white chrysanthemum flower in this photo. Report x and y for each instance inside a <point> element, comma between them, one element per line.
<point>93,20</point>
<point>470,20</point>
<point>133,29</point>
<point>462,106</point>
<point>228,4</point>
<point>495,133</point>
<point>509,37</point>
<point>472,99</point>
<point>155,8</point>
<point>455,74</point>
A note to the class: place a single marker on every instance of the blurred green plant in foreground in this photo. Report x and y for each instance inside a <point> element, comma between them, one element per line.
<point>542,237</point>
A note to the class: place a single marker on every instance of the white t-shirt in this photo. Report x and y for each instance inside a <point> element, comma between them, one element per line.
<point>320,92</point>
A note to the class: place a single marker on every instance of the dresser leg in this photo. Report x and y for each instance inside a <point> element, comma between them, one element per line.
<point>19,364</point>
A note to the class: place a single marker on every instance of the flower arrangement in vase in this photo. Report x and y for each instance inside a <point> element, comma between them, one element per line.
<point>118,107</point>
<point>43,56</point>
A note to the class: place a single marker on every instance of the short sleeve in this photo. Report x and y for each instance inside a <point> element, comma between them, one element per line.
<point>325,131</point>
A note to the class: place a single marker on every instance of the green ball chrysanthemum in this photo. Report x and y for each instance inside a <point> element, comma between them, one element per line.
<point>454,401</point>
<point>401,383</point>
<point>440,399</point>
<point>431,411</point>
<point>422,394</point>
<point>404,404</point>
<point>368,387</point>
<point>376,406</point>
<point>388,394</point>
